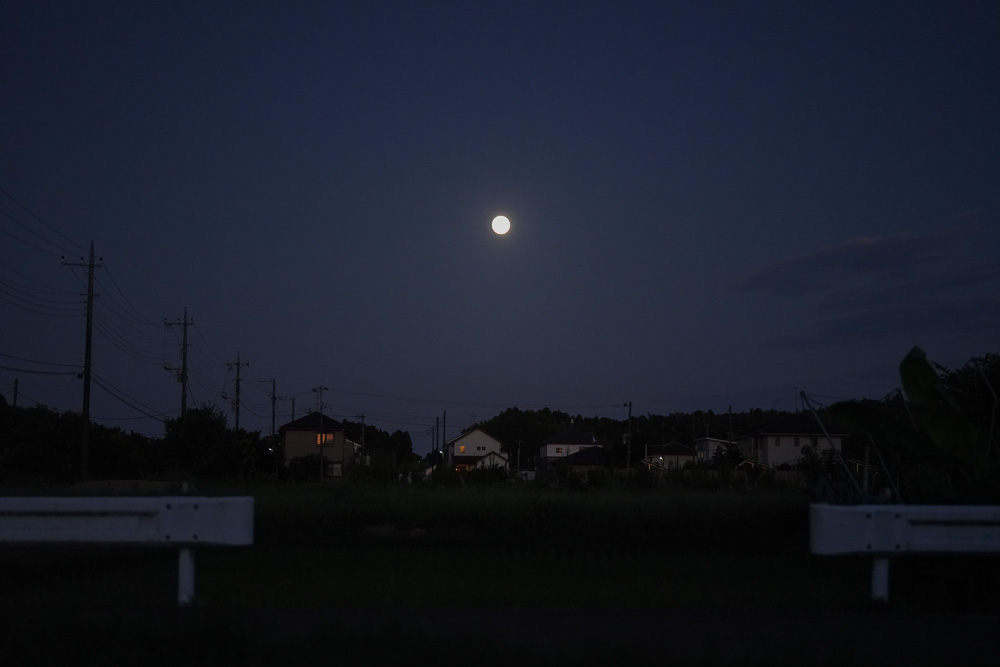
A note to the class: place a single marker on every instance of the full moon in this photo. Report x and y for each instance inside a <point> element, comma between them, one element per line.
<point>501,225</point>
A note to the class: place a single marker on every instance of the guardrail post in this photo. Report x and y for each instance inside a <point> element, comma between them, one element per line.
<point>185,577</point>
<point>880,578</point>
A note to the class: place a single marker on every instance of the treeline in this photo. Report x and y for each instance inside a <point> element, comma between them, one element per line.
<point>38,444</point>
<point>42,446</point>
<point>523,431</point>
<point>972,387</point>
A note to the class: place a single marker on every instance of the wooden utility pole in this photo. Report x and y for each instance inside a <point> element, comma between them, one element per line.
<point>87,358</point>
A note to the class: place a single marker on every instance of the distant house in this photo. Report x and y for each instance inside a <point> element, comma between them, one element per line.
<point>475,449</point>
<point>585,459</point>
<point>781,442</point>
<point>563,444</point>
<point>705,448</point>
<point>670,456</point>
<point>318,434</point>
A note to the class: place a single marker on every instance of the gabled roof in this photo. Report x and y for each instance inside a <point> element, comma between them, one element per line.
<point>672,448</point>
<point>468,433</point>
<point>796,424</point>
<point>588,456</point>
<point>571,437</point>
<point>313,421</point>
<point>470,460</point>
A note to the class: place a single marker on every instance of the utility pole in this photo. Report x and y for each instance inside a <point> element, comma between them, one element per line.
<point>288,398</point>
<point>87,359</point>
<point>182,372</point>
<point>444,426</point>
<point>628,447</point>
<point>322,436</point>
<point>273,399</point>
<point>236,404</point>
<point>15,392</point>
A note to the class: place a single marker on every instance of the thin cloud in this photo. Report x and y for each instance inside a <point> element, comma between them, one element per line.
<point>907,323</point>
<point>867,257</point>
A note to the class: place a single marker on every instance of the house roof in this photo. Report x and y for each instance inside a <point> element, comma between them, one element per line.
<point>468,433</point>
<point>314,421</point>
<point>571,437</point>
<point>588,456</point>
<point>796,424</point>
<point>672,448</point>
<point>469,460</point>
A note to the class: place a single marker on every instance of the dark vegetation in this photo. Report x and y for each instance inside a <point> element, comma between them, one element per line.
<point>938,442</point>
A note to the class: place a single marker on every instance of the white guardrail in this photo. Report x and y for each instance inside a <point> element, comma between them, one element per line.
<point>881,531</point>
<point>182,522</point>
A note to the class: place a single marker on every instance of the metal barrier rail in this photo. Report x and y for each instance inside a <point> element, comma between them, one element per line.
<point>182,522</point>
<point>881,531</point>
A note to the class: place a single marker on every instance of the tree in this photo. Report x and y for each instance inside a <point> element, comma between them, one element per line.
<point>202,444</point>
<point>936,453</point>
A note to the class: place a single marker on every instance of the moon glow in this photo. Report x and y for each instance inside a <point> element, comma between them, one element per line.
<point>501,225</point>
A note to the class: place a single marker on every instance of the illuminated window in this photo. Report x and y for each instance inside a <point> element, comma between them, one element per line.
<point>326,437</point>
<point>558,450</point>
<point>461,449</point>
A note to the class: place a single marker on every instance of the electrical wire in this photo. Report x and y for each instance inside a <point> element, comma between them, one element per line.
<point>47,225</point>
<point>130,401</point>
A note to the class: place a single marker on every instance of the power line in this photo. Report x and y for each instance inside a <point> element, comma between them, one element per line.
<point>128,400</point>
<point>47,225</point>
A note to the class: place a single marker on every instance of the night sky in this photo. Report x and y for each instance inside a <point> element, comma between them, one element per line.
<point>713,204</point>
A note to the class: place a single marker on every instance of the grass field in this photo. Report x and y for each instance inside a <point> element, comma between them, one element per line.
<point>383,574</point>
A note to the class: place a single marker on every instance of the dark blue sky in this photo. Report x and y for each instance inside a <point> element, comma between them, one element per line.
<point>712,203</point>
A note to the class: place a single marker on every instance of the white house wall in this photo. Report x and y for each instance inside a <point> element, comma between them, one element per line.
<point>303,443</point>
<point>559,451</point>
<point>776,450</point>
<point>476,443</point>
<point>492,460</point>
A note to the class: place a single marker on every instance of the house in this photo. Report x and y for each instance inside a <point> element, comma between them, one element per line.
<point>564,444</point>
<point>585,459</point>
<point>475,449</point>
<point>705,448</point>
<point>318,434</point>
<point>781,442</point>
<point>670,456</point>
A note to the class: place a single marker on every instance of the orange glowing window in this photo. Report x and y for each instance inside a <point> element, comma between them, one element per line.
<point>461,449</point>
